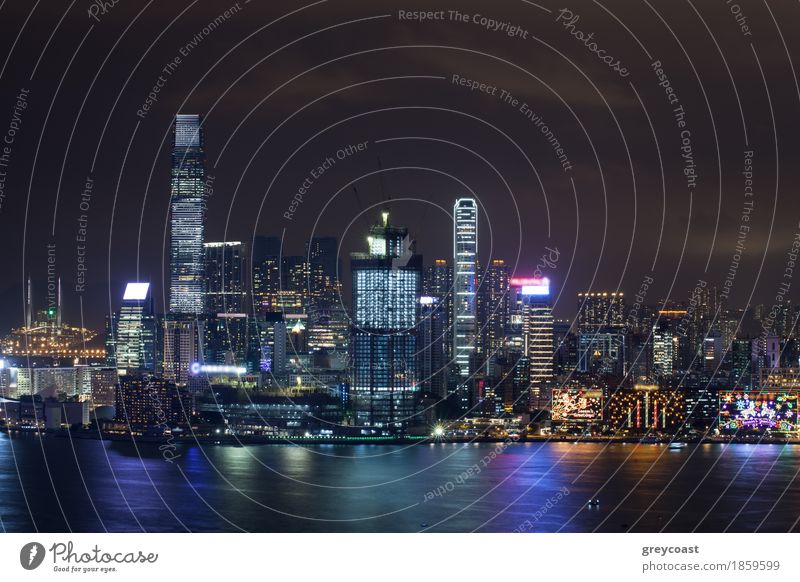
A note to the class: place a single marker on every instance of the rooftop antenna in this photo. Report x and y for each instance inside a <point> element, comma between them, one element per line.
<point>358,198</point>
<point>29,305</point>
<point>58,305</point>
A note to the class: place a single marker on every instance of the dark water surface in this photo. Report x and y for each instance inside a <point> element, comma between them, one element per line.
<point>58,484</point>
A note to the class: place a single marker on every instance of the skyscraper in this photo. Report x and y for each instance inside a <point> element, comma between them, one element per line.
<point>664,348</point>
<point>438,283</point>
<point>324,251</point>
<point>266,284</point>
<point>187,216</point>
<point>132,341</point>
<point>600,310</point>
<point>225,272</point>
<point>669,343</point>
<point>431,352</point>
<point>537,331</point>
<point>182,341</point>
<point>465,251</point>
<point>493,309</point>
<point>386,286</point>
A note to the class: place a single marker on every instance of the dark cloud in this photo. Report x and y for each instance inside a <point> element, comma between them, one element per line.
<point>92,77</point>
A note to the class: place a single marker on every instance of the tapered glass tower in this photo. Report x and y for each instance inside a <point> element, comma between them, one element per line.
<point>465,252</point>
<point>187,215</point>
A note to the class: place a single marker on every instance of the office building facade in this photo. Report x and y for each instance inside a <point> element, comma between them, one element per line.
<point>386,290</point>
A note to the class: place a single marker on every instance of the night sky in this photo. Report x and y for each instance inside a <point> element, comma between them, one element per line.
<point>284,85</point>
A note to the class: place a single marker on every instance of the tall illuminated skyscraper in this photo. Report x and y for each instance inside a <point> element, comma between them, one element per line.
<point>226,324</point>
<point>226,269</point>
<point>187,216</point>
<point>493,309</point>
<point>132,341</point>
<point>537,330</point>
<point>183,330</point>
<point>386,287</point>
<point>465,252</point>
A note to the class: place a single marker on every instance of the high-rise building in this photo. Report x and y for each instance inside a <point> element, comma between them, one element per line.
<point>438,283</point>
<point>101,386</point>
<point>598,310</point>
<point>431,347</point>
<point>131,343</point>
<point>182,340</point>
<point>665,348</point>
<point>226,339</point>
<point>465,256</point>
<point>713,351</point>
<point>324,251</point>
<point>673,350</point>
<point>436,333</point>
<point>306,280</point>
<point>742,362</point>
<point>187,216</point>
<point>537,331</point>
<point>225,277</point>
<point>266,284</point>
<point>565,346</point>
<point>493,309</point>
<point>328,336</point>
<point>386,289</point>
<point>271,339</point>
<point>226,325</point>
<point>183,334</point>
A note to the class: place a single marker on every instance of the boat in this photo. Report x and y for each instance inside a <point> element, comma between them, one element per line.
<point>677,445</point>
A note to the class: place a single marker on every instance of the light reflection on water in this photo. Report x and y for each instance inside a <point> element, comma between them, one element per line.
<point>436,487</point>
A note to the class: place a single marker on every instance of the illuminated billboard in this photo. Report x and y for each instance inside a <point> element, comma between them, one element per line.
<point>570,404</point>
<point>531,285</point>
<point>197,368</point>
<point>758,410</point>
<point>136,291</point>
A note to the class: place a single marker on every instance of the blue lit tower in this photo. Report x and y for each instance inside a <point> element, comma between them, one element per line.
<point>182,326</point>
<point>187,216</point>
<point>386,288</point>
<point>133,337</point>
<point>465,252</point>
<point>533,295</point>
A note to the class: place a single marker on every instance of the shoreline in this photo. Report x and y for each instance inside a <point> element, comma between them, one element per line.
<point>235,441</point>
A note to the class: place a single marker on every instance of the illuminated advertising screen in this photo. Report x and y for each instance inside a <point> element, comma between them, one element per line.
<point>758,410</point>
<point>577,405</point>
<point>136,291</point>
<point>531,285</point>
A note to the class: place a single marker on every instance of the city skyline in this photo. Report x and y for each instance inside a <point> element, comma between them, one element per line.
<point>400,267</point>
<point>236,312</point>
